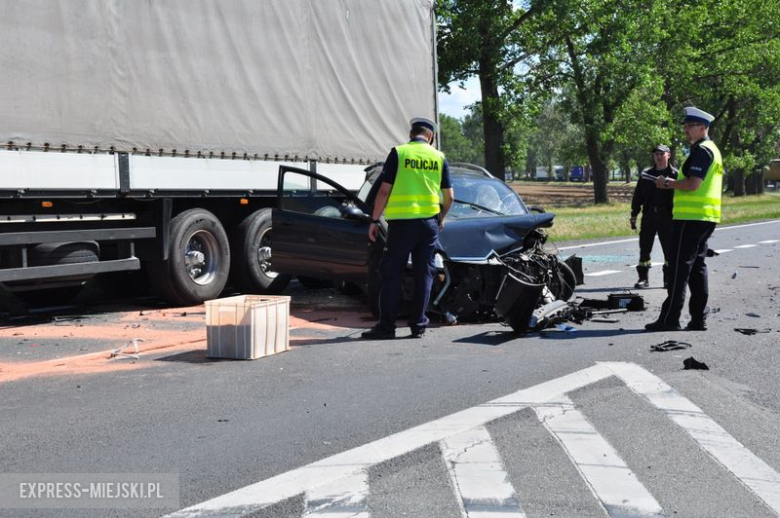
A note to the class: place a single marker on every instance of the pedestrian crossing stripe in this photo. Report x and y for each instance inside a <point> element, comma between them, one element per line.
<point>338,485</point>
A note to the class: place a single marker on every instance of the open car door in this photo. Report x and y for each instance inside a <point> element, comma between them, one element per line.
<point>320,229</point>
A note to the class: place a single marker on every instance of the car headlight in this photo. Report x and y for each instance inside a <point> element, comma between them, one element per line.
<point>438,261</point>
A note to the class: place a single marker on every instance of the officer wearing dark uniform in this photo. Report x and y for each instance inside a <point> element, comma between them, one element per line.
<point>697,209</point>
<point>415,195</point>
<point>656,207</point>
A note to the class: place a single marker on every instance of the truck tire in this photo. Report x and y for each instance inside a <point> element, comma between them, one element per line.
<point>252,256</point>
<point>50,254</point>
<point>198,261</point>
<point>53,254</point>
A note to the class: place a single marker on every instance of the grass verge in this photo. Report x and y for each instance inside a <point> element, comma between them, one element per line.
<point>611,220</point>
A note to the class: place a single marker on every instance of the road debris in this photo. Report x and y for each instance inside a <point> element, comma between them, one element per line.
<point>117,354</point>
<point>605,320</point>
<point>693,364</point>
<point>752,314</point>
<point>750,332</point>
<point>670,345</point>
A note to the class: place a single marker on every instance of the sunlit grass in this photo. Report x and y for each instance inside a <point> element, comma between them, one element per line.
<point>611,220</point>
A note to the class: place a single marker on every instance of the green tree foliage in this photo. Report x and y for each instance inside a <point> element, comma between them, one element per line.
<point>724,57</point>
<point>621,71</point>
<point>458,144</point>
<point>480,38</point>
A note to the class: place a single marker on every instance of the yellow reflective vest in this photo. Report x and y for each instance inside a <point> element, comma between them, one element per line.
<point>704,203</point>
<point>417,187</point>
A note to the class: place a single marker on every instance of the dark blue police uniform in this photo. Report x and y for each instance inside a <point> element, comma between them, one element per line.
<point>415,237</point>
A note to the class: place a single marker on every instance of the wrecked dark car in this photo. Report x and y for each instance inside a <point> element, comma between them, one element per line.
<point>491,261</point>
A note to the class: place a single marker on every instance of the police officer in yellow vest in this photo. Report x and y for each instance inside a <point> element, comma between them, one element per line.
<point>415,195</point>
<point>697,202</point>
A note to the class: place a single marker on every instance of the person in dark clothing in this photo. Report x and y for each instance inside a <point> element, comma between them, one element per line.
<point>656,207</point>
<point>697,209</point>
<point>415,195</point>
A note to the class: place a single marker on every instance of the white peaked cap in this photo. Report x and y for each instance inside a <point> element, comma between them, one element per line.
<point>693,114</point>
<point>425,123</point>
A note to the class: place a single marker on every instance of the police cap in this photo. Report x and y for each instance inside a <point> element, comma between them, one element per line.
<point>696,115</point>
<point>423,122</point>
<point>661,147</point>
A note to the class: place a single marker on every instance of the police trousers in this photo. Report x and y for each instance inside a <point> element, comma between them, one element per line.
<point>405,237</point>
<point>656,220</point>
<point>687,268</point>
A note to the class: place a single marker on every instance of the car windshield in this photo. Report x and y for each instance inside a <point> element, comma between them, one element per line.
<point>476,194</point>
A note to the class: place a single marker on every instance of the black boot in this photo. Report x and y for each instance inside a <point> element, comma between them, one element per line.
<point>643,281</point>
<point>666,276</point>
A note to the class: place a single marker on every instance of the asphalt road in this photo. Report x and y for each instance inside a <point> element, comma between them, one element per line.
<point>573,439</point>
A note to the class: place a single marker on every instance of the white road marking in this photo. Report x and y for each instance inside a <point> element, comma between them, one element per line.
<point>478,475</point>
<point>733,455</point>
<point>745,246</point>
<point>602,273</point>
<point>588,245</point>
<point>340,479</point>
<point>286,485</point>
<point>608,477</point>
<point>633,239</point>
<point>768,241</point>
<point>346,497</point>
<point>723,250</point>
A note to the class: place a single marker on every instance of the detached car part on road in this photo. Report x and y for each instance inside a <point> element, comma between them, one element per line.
<point>491,259</point>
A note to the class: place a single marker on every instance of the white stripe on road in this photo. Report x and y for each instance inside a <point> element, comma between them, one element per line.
<point>733,455</point>
<point>346,497</point>
<point>478,475</point>
<point>723,250</point>
<point>633,239</point>
<point>608,477</point>
<point>768,241</point>
<point>745,246</point>
<point>287,485</point>
<point>602,273</point>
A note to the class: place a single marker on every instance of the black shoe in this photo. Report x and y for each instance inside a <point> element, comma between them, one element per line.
<point>696,326</point>
<point>419,333</point>
<point>661,326</point>
<point>377,333</point>
<point>642,283</point>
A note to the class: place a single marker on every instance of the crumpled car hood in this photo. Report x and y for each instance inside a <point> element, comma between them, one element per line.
<point>473,239</point>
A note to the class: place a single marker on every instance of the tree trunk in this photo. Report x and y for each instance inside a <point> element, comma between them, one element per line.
<point>494,129</point>
<point>754,183</point>
<point>739,182</point>
<point>599,169</point>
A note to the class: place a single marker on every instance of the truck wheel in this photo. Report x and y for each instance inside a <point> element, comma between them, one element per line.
<point>198,259</point>
<point>252,256</point>
<point>53,254</point>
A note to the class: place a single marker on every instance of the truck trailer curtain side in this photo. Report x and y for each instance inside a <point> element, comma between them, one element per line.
<point>308,79</point>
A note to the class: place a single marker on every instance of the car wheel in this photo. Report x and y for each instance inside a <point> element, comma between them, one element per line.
<point>252,256</point>
<point>198,259</point>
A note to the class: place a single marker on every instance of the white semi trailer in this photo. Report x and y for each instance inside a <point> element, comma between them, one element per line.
<point>144,137</point>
